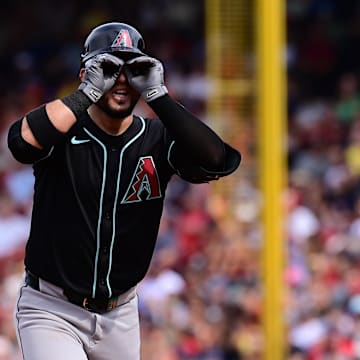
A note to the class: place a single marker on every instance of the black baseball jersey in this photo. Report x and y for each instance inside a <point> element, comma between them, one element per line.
<point>98,200</point>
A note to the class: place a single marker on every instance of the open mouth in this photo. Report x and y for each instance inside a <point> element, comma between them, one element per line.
<point>120,94</point>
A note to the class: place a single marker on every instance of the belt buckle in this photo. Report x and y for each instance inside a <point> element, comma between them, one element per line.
<point>91,306</point>
<point>112,303</point>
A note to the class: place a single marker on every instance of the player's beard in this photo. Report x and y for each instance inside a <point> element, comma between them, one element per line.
<point>115,113</point>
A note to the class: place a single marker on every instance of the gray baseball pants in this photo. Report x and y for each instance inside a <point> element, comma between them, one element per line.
<point>50,327</point>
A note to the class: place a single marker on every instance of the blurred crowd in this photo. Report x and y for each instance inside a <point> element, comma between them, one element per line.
<point>202,298</point>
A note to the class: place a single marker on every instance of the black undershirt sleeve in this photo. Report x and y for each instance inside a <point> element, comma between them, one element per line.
<point>195,141</point>
<point>194,137</point>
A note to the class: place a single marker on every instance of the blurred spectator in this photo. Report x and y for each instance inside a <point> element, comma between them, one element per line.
<point>14,227</point>
<point>348,105</point>
<point>352,150</point>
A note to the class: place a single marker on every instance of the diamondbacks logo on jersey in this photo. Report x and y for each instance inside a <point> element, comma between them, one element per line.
<point>145,183</point>
<point>122,40</point>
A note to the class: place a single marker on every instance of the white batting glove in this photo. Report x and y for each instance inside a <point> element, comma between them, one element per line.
<point>146,75</point>
<point>101,73</point>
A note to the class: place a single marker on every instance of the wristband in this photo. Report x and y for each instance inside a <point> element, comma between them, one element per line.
<point>77,102</point>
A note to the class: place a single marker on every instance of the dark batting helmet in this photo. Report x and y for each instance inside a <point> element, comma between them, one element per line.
<point>115,38</point>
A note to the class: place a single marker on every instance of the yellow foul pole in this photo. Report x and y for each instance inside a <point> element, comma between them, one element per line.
<point>271,137</point>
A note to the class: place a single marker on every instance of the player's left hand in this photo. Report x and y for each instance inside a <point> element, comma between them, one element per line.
<point>146,75</point>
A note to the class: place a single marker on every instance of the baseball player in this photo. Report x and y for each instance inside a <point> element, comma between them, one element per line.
<point>100,178</point>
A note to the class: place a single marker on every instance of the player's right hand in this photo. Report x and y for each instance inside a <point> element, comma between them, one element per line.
<point>101,72</point>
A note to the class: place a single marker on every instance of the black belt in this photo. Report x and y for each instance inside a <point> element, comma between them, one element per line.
<point>93,305</point>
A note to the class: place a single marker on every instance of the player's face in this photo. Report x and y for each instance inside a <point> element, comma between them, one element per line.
<point>120,100</point>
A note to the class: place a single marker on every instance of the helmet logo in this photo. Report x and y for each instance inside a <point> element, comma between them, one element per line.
<point>122,40</point>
